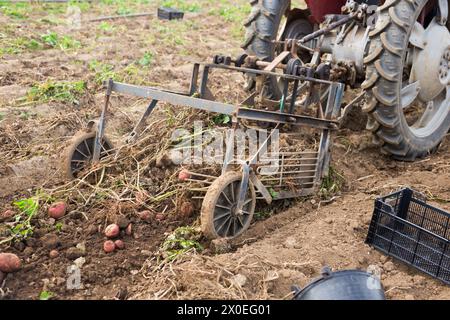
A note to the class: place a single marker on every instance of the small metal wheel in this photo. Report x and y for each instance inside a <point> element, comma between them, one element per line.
<point>80,152</point>
<point>219,216</point>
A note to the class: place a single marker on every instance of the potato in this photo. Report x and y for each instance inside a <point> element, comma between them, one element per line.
<point>119,244</point>
<point>129,230</point>
<point>9,263</point>
<point>57,210</point>
<point>109,246</point>
<point>184,175</point>
<point>145,215</point>
<point>186,209</point>
<point>54,254</point>
<point>160,216</point>
<point>112,231</point>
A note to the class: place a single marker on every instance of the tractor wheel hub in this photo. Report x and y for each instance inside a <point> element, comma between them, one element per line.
<point>430,64</point>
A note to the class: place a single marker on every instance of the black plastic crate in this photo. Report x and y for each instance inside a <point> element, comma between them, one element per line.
<point>405,227</point>
<point>170,14</point>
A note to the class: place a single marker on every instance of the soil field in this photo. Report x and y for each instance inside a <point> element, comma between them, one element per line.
<point>53,61</point>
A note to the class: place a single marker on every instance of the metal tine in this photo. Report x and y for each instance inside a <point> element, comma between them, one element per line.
<point>288,178</point>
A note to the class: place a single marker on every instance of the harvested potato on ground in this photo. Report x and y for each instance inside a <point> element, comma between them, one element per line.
<point>109,246</point>
<point>129,230</point>
<point>9,263</point>
<point>119,244</point>
<point>184,175</point>
<point>145,215</point>
<point>112,231</point>
<point>57,210</point>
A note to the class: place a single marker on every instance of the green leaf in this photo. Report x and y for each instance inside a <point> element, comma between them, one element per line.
<point>28,206</point>
<point>222,119</point>
<point>146,60</point>
<point>46,295</point>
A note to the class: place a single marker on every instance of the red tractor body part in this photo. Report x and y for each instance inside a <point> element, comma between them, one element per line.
<point>320,8</point>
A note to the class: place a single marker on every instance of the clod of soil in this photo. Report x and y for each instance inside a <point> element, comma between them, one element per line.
<point>220,246</point>
<point>57,210</point>
<point>122,222</point>
<point>2,277</point>
<point>186,209</point>
<point>119,244</point>
<point>9,263</point>
<point>109,246</point>
<point>74,253</point>
<point>50,241</point>
<point>112,231</point>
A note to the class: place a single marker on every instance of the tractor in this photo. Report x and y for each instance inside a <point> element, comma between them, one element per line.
<point>297,65</point>
<point>397,52</point>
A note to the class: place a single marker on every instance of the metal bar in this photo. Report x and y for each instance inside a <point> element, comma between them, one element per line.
<point>229,151</point>
<point>204,82</point>
<point>194,79</point>
<point>267,73</point>
<point>261,188</point>
<point>101,124</point>
<point>293,194</point>
<point>276,117</point>
<point>335,95</point>
<point>249,101</point>
<point>294,96</point>
<point>289,178</point>
<point>285,93</point>
<point>243,189</point>
<point>263,145</point>
<point>327,29</point>
<point>273,65</point>
<point>138,128</point>
<point>173,98</point>
<point>123,16</point>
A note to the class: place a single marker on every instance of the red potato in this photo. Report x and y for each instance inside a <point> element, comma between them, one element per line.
<point>119,244</point>
<point>160,216</point>
<point>184,175</point>
<point>129,230</point>
<point>54,254</point>
<point>9,263</point>
<point>112,231</point>
<point>57,210</point>
<point>109,246</point>
<point>145,215</point>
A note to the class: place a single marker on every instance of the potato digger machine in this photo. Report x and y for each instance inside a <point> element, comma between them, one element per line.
<point>297,65</point>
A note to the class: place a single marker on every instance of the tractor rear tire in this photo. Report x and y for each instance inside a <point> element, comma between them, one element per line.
<point>385,63</point>
<point>262,28</point>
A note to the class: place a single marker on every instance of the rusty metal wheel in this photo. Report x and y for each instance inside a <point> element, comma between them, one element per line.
<point>219,216</point>
<point>79,153</point>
